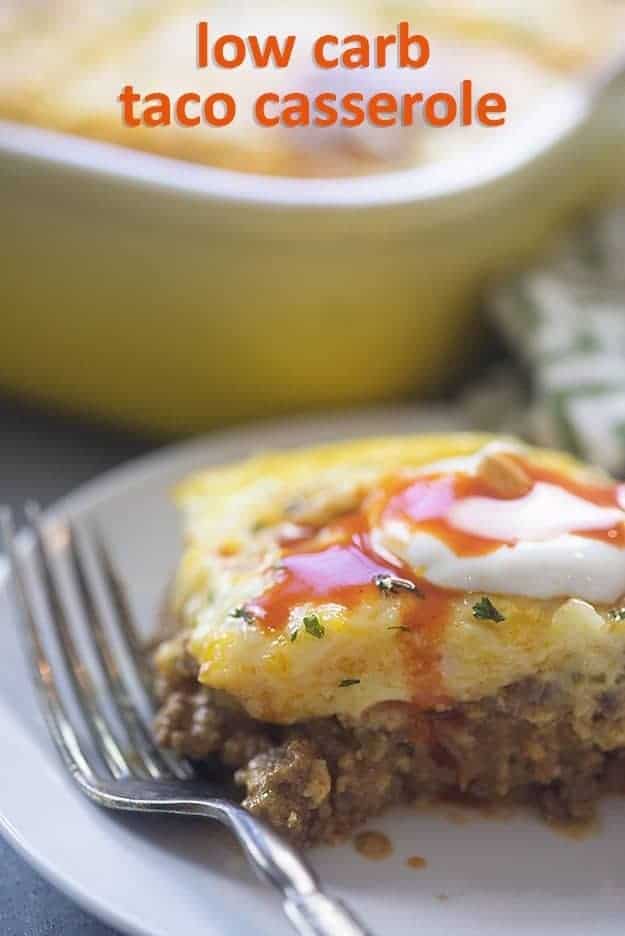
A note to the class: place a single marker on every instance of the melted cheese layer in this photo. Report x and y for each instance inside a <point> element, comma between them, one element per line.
<point>256,530</point>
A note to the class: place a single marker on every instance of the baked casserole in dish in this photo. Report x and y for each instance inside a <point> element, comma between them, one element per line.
<point>64,64</point>
<point>397,620</point>
<point>145,268</point>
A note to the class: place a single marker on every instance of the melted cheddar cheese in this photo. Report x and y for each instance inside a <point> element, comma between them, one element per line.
<point>426,570</point>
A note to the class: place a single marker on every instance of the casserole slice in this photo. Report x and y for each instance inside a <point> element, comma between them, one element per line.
<point>400,619</point>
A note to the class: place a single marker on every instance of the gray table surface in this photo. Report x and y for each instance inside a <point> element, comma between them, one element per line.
<point>44,457</point>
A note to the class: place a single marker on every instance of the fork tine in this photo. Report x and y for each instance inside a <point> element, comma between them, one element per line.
<point>135,653</point>
<point>155,762</point>
<point>101,734</point>
<point>52,709</point>
<point>126,626</point>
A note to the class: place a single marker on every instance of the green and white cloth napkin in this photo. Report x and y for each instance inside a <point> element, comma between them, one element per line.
<point>565,322</point>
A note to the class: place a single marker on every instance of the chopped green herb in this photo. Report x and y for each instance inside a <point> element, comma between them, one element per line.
<point>243,613</point>
<point>294,636</point>
<point>344,683</point>
<point>401,627</point>
<point>617,614</point>
<point>384,583</point>
<point>391,584</point>
<point>313,626</point>
<point>485,610</point>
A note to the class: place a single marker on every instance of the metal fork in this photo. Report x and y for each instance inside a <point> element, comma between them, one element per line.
<point>121,767</point>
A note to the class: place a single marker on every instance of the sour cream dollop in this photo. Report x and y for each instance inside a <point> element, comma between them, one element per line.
<point>541,553</point>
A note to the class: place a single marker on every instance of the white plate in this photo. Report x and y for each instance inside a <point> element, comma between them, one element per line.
<point>162,877</point>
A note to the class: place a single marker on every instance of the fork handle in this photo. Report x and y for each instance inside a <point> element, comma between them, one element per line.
<point>319,915</point>
<point>310,911</point>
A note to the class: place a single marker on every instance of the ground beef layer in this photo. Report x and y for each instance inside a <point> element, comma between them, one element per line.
<point>319,780</point>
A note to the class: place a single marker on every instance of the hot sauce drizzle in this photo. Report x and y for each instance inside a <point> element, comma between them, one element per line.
<point>340,569</point>
<point>338,563</point>
<point>425,503</point>
<point>602,495</point>
<point>343,573</point>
